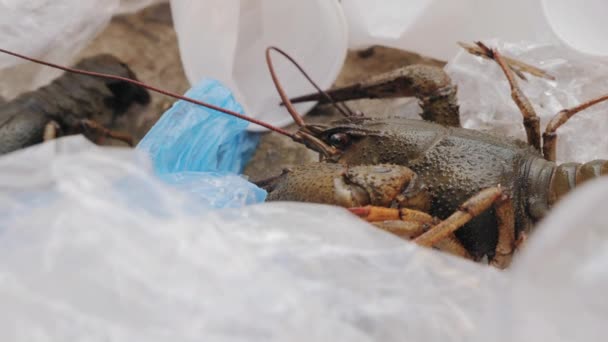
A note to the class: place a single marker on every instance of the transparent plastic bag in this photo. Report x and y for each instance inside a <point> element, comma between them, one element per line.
<point>486,104</point>
<point>98,248</point>
<point>559,278</point>
<point>95,247</point>
<point>95,244</point>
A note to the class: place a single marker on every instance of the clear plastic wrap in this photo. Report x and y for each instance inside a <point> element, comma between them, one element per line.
<point>486,104</point>
<point>559,280</point>
<point>95,247</point>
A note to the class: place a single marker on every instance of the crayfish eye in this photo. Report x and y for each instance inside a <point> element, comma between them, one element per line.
<point>339,140</point>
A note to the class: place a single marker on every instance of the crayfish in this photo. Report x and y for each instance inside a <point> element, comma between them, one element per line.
<point>460,190</point>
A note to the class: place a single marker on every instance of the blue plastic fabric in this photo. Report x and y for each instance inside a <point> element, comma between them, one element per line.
<point>200,150</point>
<point>190,137</point>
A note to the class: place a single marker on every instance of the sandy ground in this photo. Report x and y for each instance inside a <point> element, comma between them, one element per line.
<point>147,42</point>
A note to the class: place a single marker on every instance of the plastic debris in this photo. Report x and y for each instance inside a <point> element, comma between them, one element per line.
<point>313,31</point>
<point>32,27</point>
<point>189,137</point>
<point>216,190</point>
<point>95,247</point>
<point>559,278</point>
<point>201,150</point>
<point>486,104</point>
<point>98,248</point>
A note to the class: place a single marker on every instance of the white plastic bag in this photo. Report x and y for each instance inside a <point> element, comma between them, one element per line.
<point>432,27</point>
<point>315,33</point>
<point>226,40</point>
<point>53,30</point>
<point>559,279</point>
<point>94,247</point>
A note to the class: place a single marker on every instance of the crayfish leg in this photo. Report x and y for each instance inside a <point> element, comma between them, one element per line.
<point>408,224</point>
<point>474,206</point>
<point>550,134</point>
<point>531,120</point>
<point>452,245</point>
<point>405,223</point>
<point>431,85</point>
<point>372,213</point>
<point>506,233</point>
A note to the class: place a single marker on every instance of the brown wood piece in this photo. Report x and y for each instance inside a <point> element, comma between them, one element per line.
<point>50,131</point>
<point>103,132</point>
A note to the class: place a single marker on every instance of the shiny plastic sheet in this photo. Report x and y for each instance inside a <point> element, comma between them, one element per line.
<point>485,97</point>
<point>93,246</point>
<point>559,279</point>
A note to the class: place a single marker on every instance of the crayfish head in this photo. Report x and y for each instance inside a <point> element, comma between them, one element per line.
<point>331,141</point>
<point>310,136</point>
<point>385,185</point>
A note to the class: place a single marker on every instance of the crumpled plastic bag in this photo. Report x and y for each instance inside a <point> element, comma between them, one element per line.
<point>190,137</point>
<point>202,151</point>
<point>486,104</point>
<point>238,32</point>
<point>560,277</point>
<point>93,246</point>
<point>41,28</point>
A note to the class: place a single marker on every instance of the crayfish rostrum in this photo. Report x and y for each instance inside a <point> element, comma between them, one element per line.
<point>456,189</point>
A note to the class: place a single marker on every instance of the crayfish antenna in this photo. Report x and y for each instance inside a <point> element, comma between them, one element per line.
<point>290,108</point>
<point>306,134</point>
<point>346,111</point>
<point>154,89</point>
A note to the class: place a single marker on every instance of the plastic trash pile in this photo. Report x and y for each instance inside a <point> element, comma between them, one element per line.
<point>167,242</point>
<point>239,32</point>
<point>117,245</point>
<point>96,247</point>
